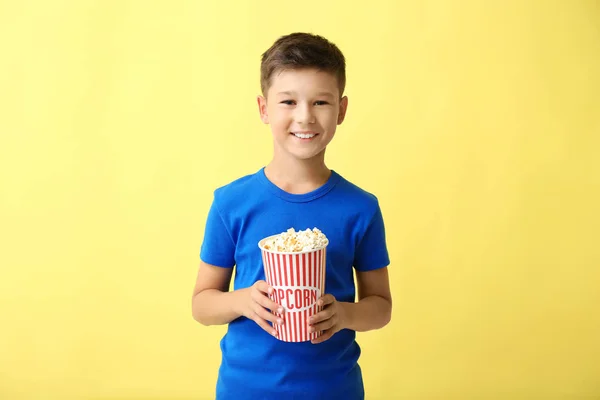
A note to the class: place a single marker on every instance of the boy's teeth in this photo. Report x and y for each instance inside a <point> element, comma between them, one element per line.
<point>304,135</point>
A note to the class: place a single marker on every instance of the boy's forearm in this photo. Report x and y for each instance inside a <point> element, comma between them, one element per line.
<point>214,307</point>
<point>372,312</point>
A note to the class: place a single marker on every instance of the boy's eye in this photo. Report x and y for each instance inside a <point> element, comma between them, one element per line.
<point>292,102</point>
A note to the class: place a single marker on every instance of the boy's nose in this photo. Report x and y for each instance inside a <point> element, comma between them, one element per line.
<point>304,115</point>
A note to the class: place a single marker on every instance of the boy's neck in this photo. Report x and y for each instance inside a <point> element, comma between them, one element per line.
<point>297,176</point>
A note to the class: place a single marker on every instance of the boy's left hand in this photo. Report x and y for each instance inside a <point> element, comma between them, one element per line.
<point>330,320</point>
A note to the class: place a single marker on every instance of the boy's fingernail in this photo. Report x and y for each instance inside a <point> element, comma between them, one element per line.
<point>280,321</point>
<point>320,302</point>
<point>280,310</point>
<point>270,290</point>
<point>274,333</point>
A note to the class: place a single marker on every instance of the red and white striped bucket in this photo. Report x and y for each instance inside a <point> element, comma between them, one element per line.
<point>299,281</point>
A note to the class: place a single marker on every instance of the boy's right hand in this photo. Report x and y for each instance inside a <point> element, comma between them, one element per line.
<point>255,303</point>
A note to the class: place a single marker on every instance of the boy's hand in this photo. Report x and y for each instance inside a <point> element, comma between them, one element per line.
<point>331,320</point>
<point>254,303</point>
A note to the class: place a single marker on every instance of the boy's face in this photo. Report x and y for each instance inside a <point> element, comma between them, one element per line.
<point>303,108</point>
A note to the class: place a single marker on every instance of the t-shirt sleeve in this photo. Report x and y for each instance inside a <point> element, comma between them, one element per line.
<point>217,248</point>
<point>372,252</point>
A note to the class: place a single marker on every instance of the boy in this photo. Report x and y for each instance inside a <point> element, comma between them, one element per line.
<point>302,81</point>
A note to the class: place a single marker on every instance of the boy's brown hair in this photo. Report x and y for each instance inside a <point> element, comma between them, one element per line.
<point>299,51</point>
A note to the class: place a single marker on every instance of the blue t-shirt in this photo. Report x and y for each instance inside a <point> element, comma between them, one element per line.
<point>256,365</point>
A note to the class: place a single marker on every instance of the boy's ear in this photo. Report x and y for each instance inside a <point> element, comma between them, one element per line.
<point>262,109</point>
<point>343,109</point>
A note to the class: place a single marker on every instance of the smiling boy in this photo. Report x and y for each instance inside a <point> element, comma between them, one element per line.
<point>302,81</point>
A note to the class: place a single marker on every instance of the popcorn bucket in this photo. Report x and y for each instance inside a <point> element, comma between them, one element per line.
<point>298,279</point>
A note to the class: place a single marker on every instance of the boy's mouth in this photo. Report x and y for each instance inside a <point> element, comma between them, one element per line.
<point>304,135</point>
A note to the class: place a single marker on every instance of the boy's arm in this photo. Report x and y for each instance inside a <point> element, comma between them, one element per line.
<point>374,308</point>
<point>212,303</point>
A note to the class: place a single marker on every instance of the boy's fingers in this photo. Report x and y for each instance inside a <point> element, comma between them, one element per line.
<point>263,287</point>
<point>323,326</point>
<point>320,316</point>
<point>267,303</point>
<point>327,299</point>
<point>265,315</point>
<point>264,325</point>
<point>275,307</point>
<point>325,336</point>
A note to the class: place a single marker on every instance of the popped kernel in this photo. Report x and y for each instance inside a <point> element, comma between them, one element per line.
<point>292,241</point>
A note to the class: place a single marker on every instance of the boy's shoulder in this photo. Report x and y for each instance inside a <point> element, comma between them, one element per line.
<point>237,188</point>
<point>352,191</point>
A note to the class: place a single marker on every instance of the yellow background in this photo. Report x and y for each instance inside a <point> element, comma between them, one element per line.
<point>476,123</point>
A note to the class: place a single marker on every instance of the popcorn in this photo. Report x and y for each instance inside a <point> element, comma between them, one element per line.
<point>295,265</point>
<point>292,241</point>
